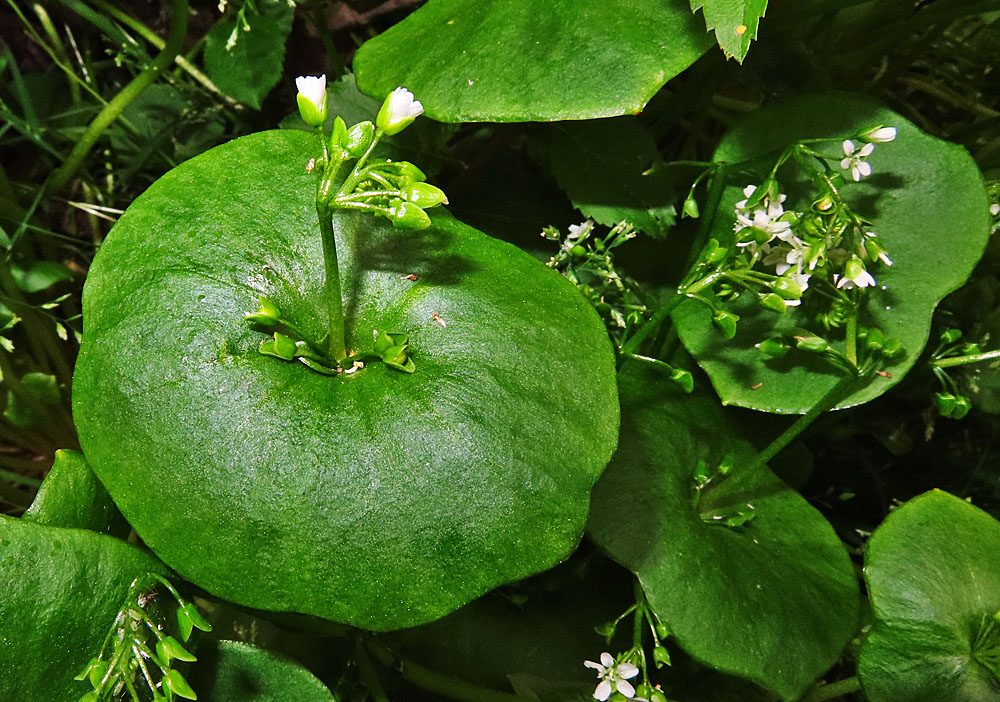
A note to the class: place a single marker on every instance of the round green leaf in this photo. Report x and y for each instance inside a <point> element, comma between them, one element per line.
<point>929,206</point>
<point>774,600</point>
<point>517,61</point>
<point>934,584</point>
<point>232,671</point>
<point>62,589</point>
<point>380,499</point>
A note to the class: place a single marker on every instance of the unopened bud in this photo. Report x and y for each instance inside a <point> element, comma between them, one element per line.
<point>690,208</point>
<point>775,347</point>
<point>267,313</point>
<point>811,343</point>
<point>725,322</point>
<point>311,99</point>
<point>786,288</point>
<point>398,111</point>
<point>945,403</point>
<point>406,215</point>
<point>425,195</point>
<point>962,407</point>
<point>358,139</point>
<point>773,302</point>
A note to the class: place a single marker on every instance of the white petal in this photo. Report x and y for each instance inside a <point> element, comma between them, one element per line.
<point>792,303</point>
<point>603,691</point>
<point>596,666</point>
<point>760,219</point>
<point>884,258</point>
<point>866,150</point>
<point>848,148</point>
<point>627,670</point>
<point>748,191</point>
<point>856,173</point>
<point>865,168</point>
<point>625,688</point>
<point>607,660</point>
<point>845,163</point>
<point>883,135</point>
<point>865,280</point>
<point>313,88</point>
<point>995,209</point>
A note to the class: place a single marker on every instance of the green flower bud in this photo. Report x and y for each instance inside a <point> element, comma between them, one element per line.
<point>962,407</point>
<point>775,347</point>
<point>945,403</point>
<point>175,682</point>
<point>893,348</point>
<point>661,656</point>
<point>812,343</point>
<point>169,648</point>
<point>950,336</point>
<point>701,474</point>
<point>338,135</point>
<point>875,339</point>
<point>405,170</point>
<point>774,303</point>
<point>358,139</point>
<point>662,631</point>
<point>425,195</point>
<point>690,208</point>
<point>267,313</point>
<point>398,111</point>
<point>714,253</point>
<point>406,215</point>
<point>725,322</point>
<point>823,204</point>
<point>311,99</point>
<point>188,616</point>
<point>786,288</point>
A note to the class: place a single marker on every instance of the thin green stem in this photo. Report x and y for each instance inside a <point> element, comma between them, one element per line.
<point>175,40</point>
<point>368,672</point>
<point>334,299</point>
<point>834,395</point>
<point>962,360</point>
<point>630,346</point>
<point>851,338</point>
<point>17,478</point>
<point>151,36</point>
<point>833,690</point>
<point>439,683</point>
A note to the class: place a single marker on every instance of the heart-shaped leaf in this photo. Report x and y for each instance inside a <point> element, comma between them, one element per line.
<point>518,60</point>
<point>934,584</point>
<point>232,671</point>
<point>928,204</point>
<point>380,499</point>
<point>72,496</point>
<point>774,600</point>
<point>62,589</point>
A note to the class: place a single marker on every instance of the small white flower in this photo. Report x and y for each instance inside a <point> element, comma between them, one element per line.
<point>995,209</point>
<point>312,99</point>
<point>398,111</point>
<point>855,160</point>
<point>855,275</point>
<point>764,217</point>
<point>880,135</point>
<point>613,677</point>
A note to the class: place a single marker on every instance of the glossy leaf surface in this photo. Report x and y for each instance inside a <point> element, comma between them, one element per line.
<point>929,207</point>
<point>232,671</point>
<point>380,499</point>
<point>61,592</point>
<point>934,583</point>
<point>518,60</point>
<point>774,600</point>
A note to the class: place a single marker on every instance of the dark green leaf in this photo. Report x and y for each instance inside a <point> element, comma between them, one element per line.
<point>71,496</point>
<point>37,392</point>
<point>734,21</point>
<point>773,601</point>
<point>40,275</point>
<point>929,207</point>
<point>602,165</point>
<point>934,583</point>
<point>517,60</point>
<point>381,499</point>
<point>245,61</point>
<point>231,671</point>
<point>61,591</point>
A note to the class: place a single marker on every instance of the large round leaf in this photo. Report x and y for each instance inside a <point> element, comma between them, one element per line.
<point>929,206</point>
<point>520,60</point>
<point>934,584</point>
<point>232,671</point>
<point>61,590</point>
<point>379,499</point>
<point>774,600</point>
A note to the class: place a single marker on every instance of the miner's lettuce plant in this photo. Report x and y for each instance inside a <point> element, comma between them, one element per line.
<point>338,443</point>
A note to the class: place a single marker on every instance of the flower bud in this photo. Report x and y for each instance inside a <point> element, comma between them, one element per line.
<point>690,208</point>
<point>267,313</point>
<point>775,347</point>
<point>661,656</point>
<point>945,403</point>
<point>875,251</point>
<point>875,339</point>
<point>812,343</point>
<point>950,336</point>
<point>878,135</point>
<point>312,99</point>
<point>398,111</point>
<point>962,407</point>
<point>714,253</point>
<point>406,215</point>
<point>169,648</point>
<point>175,682</point>
<point>774,303</point>
<point>358,139</point>
<point>787,288</point>
<point>338,135</point>
<point>725,322</point>
<point>425,195</point>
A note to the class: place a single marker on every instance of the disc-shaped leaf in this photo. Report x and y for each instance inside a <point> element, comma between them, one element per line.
<point>934,584</point>
<point>62,589</point>
<point>380,499</point>
<point>928,204</point>
<point>519,60</point>
<point>232,671</point>
<point>774,600</point>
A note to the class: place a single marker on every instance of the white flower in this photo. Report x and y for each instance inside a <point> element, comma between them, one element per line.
<point>855,275</point>
<point>995,209</point>
<point>398,111</point>
<point>764,218</point>
<point>880,135</point>
<point>613,677</point>
<point>854,160</point>
<point>312,99</point>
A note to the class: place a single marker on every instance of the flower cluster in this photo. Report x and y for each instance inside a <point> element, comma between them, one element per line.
<point>614,676</point>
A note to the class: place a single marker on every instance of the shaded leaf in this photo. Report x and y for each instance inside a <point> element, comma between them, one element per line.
<point>71,496</point>
<point>231,671</point>
<point>734,21</point>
